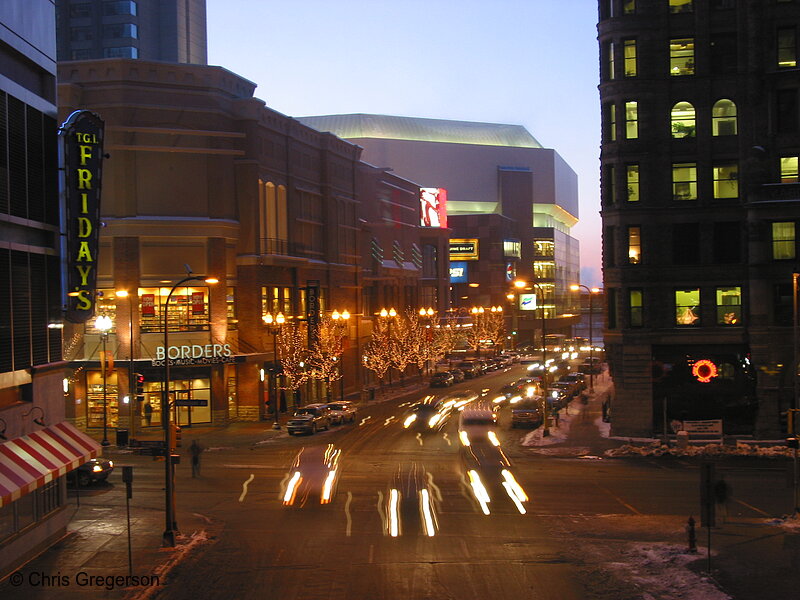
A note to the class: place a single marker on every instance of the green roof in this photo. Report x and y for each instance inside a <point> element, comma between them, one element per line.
<point>354,126</point>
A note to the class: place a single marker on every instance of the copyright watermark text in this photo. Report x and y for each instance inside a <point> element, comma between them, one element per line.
<point>82,579</point>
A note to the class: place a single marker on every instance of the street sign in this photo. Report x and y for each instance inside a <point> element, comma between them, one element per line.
<point>191,402</point>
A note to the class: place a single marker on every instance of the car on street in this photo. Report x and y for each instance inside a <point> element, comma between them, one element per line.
<point>576,379</point>
<point>442,379</point>
<point>527,412</point>
<point>470,368</point>
<point>342,411</point>
<point>476,424</point>
<point>458,375</point>
<point>488,475</point>
<point>591,367</point>
<point>313,476</point>
<point>309,419</point>
<point>92,471</point>
<point>410,504</point>
<point>427,416</point>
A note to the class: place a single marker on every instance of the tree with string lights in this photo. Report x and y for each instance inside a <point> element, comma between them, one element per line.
<point>323,358</point>
<point>293,355</point>
<point>377,351</point>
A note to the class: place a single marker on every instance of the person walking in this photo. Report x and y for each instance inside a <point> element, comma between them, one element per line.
<point>195,450</point>
<point>722,494</point>
<point>148,413</point>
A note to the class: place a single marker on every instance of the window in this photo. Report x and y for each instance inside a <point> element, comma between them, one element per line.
<point>786,118</point>
<point>632,178</point>
<point>682,120</point>
<point>81,34</point>
<point>276,299</point>
<point>681,56</point>
<point>611,306</point>
<point>81,54</point>
<point>230,304</point>
<point>723,4</point>
<point>726,180</point>
<point>609,250</point>
<point>544,248</point>
<point>634,245</point>
<point>679,6</point>
<point>429,261</point>
<point>629,55</point>
<point>685,243</point>
<point>723,53</point>
<point>611,122</point>
<point>77,11</point>
<point>783,240</point>
<point>684,181</point>
<point>631,120</point>
<point>687,307</point>
<point>729,306</point>
<point>120,30</point>
<point>628,7</point>
<point>723,118</point>
<point>120,7</point>
<point>782,305</point>
<point>727,242</point>
<point>787,47</point>
<point>609,184</point>
<point>789,173</point>
<point>610,74</point>
<point>635,302</point>
<point>188,308</point>
<point>121,52</point>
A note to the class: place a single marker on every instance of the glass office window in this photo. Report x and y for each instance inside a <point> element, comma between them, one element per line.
<point>634,245</point>
<point>631,120</point>
<point>629,56</point>
<point>635,302</point>
<point>628,7</point>
<point>789,173</point>
<point>787,47</point>
<point>682,120</point>
<point>687,307</point>
<point>723,118</point>
<point>684,181</point>
<point>783,240</point>
<point>729,305</point>
<point>681,56</point>
<point>632,177</point>
<point>120,30</point>
<point>679,6</point>
<point>726,180</point>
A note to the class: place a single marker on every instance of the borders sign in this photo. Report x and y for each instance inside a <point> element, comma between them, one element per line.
<point>81,137</point>
<point>312,310</point>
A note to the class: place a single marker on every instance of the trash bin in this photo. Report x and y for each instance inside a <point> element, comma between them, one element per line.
<point>122,437</point>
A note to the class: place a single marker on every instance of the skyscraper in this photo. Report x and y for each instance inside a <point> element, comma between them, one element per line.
<point>700,205</point>
<point>166,30</point>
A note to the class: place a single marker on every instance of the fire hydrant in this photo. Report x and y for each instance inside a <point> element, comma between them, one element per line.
<point>692,535</point>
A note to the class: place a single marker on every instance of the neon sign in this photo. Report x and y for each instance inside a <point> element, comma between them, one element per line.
<point>704,370</point>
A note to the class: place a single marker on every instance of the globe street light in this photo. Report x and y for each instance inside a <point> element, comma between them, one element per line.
<point>337,319</point>
<point>171,525</point>
<point>103,324</point>
<point>132,400</point>
<point>389,315</point>
<point>274,325</point>
<point>592,291</point>
<point>521,285</point>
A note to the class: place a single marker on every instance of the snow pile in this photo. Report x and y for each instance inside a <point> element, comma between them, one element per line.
<point>791,522</point>
<point>657,448</point>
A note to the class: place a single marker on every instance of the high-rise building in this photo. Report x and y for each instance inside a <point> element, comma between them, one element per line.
<point>166,30</point>
<point>700,206</point>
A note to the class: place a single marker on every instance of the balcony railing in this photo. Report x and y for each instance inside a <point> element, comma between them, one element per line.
<point>771,192</point>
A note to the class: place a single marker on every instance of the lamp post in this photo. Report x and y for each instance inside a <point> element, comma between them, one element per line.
<point>132,402</point>
<point>171,525</point>
<point>340,319</point>
<point>103,324</point>
<point>389,315</point>
<point>477,323</point>
<point>427,313</point>
<point>521,285</point>
<point>592,291</point>
<point>274,325</point>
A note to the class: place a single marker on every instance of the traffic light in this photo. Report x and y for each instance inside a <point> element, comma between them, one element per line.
<point>138,379</point>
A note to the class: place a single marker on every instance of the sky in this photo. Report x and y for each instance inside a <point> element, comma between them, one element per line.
<point>523,62</point>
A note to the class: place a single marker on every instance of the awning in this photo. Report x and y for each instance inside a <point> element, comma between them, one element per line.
<point>35,459</point>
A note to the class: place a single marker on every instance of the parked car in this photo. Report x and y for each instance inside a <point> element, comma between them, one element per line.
<point>309,419</point>
<point>342,412</point>
<point>92,471</point>
<point>577,380</point>
<point>470,368</point>
<point>458,375</point>
<point>591,368</point>
<point>442,379</point>
<point>527,412</point>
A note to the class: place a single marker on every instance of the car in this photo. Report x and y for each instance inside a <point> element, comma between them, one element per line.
<point>577,380</point>
<point>478,423</point>
<point>309,419</point>
<point>488,475</point>
<point>470,368</point>
<point>569,388</point>
<point>94,470</point>
<point>411,503</point>
<point>442,379</point>
<point>343,411</point>
<point>458,375</point>
<point>427,416</point>
<point>527,412</point>
<point>314,474</point>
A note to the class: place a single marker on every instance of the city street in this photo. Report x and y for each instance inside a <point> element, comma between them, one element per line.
<point>581,506</point>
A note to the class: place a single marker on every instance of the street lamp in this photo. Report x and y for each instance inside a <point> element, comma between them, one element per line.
<point>477,323</point>
<point>592,291</point>
<point>132,401</point>
<point>274,327</point>
<point>103,324</point>
<point>389,315</point>
<point>521,285</point>
<point>341,319</point>
<point>171,525</point>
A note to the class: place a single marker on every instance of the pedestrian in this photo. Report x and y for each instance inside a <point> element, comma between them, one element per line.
<point>195,450</point>
<point>148,413</point>
<point>722,494</point>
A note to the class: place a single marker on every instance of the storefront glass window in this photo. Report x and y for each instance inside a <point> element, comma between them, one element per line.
<point>687,307</point>
<point>729,305</point>
<point>681,56</point>
<point>94,399</point>
<point>188,309</point>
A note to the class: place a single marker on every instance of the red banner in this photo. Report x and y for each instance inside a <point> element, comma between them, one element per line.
<point>198,303</point>
<point>148,304</point>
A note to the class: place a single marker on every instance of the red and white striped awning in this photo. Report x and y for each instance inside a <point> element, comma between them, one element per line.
<point>33,460</point>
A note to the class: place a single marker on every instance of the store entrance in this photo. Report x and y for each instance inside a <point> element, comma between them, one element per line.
<point>192,401</point>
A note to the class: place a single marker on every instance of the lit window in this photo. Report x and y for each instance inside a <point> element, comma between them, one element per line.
<point>632,177</point>
<point>789,173</point>
<point>629,54</point>
<point>678,6</point>
<point>681,56</point>
<point>634,245</point>
<point>610,60</point>
<point>544,248</point>
<point>687,307</point>
<point>635,300</point>
<point>723,118</point>
<point>787,47</point>
<point>682,120</point>
<point>628,7</point>
<point>726,180</point>
<point>631,120</point>
<point>729,306</point>
<point>230,304</point>
<point>783,241</point>
<point>684,181</point>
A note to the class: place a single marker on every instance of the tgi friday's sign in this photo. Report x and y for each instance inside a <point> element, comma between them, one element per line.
<point>81,137</point>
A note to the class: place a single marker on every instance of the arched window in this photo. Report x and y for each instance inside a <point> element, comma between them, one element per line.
<point>723,118</point>
<point>682,121</point>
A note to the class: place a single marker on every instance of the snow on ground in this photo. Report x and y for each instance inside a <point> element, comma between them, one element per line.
<point>658,448</point>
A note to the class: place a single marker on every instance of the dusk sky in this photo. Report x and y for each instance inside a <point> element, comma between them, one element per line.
<point>524,62</point>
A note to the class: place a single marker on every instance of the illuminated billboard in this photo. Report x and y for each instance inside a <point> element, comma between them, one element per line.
<point>433,207</point>
<point>461,249</point>
<point>459,272</point>
<point>527,302</point>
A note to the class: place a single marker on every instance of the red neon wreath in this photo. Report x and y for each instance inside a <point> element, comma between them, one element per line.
<point>704,370</point>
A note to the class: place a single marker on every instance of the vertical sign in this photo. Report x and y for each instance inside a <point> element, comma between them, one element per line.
<point>312,311</point>
<point>81,137</point>
<point>198,303</point>
<point>149,304</point>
